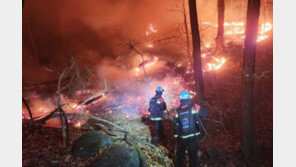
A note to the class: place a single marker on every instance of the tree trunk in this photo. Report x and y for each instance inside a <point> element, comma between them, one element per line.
<point>186,31</point>
<point>196,52</point>
<point>248,130</point>
<point>220,35</point>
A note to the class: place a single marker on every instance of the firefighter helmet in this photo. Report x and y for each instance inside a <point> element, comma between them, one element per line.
<point>159,89</point>
<point>184,95</point>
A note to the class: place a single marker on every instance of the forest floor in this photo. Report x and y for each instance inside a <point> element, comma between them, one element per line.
<point>43,146</point>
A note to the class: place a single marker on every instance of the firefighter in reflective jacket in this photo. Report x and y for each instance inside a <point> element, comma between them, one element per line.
<point>186,129</point>
<point>156,108</point>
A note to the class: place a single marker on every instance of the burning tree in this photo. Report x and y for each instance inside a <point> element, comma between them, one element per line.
<point>248,135</point>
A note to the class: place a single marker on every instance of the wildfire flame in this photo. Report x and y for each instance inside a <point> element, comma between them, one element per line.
<point>217,65</point>
<point>78,124</point>
<point>150,45</point>
<point>237,28</point>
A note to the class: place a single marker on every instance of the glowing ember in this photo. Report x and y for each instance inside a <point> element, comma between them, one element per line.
<point>217,65</point>
<point>152,28</point>
<point>261,38</point>
<point>78,124</point>
<point>207,23</point>
<point>42,109</point>
<point>265,28</point>
<point>191,92</point>
<point>150,45</point>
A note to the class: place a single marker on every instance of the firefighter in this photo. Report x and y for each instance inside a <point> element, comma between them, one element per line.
<point>156,108</point>
<point>186,129</point>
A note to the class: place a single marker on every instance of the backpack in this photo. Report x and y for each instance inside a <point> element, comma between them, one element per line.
<point>153,106</point>
<point>187,120</point>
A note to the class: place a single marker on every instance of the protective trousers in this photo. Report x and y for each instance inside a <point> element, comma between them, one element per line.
<point>192,144</point>
<point>158,132</point>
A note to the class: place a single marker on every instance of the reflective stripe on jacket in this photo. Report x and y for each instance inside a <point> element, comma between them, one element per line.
<point>186,120</point>
<point>156,119</point>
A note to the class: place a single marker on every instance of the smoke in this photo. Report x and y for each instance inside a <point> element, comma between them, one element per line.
<point>96,33</point>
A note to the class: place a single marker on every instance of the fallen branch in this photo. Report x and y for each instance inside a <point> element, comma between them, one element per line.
<point>127,135</point>
<point>141,140</point>
<point>30,113</point>
<point>54,115</point>
<point>42,120</point>
<point>92,97</point>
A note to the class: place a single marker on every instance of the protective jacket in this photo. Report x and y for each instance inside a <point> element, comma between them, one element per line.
<point>186,123</point>
<point>156,108</point>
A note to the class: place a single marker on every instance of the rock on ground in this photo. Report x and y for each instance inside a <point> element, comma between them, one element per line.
<point>119,156</point>
<point>90,143</point>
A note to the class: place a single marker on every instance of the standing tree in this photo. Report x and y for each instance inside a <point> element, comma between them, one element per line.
<point>220,35</point>
<point>196,52</point>
<point>248,130</point>
<point>186,30</point>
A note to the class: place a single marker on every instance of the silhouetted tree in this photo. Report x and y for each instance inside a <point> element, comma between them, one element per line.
<point>196,51</point>
<point>248,130</point>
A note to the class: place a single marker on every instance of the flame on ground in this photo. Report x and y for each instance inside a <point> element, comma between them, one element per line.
<point>237,28</point>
